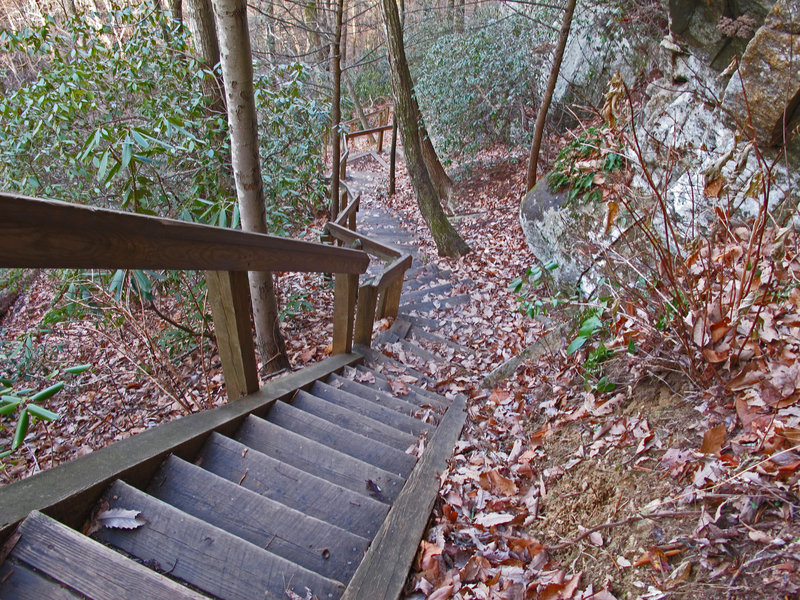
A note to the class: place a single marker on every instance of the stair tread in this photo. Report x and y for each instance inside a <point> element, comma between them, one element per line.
<point>419,395</point>
<point>371,409</point>
<point>316,458</point>
<point>205,556</point>
<point>421,293</point>
<point>355,512</point>
<point>384,398</point>
<point>355,422</point>
<point>20,582</point>
<point>412,347</point>
<point>382,363</point>
<point>316,545</point>
<point>87,566</point>
<point>420,321</point>
<point>341,439</point>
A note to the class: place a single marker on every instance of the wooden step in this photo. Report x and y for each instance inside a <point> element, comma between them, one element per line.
<point>413,348</point>
<point>427,293</point>
<point>386,399</point>
<point>86,566</point>
<point>341,439</point>
<point>316,545</point>
<point>205,556</point>
<point>390,367</point>
<point>419,321</point>
<point>371,409</point>
<point>415,332</point>
<point>382,574</point>
<point>355,512</point>
<point>427,306</point>
<point>317,459</point>
<point>355,422</point>
<point>20,582</point>
<point>419,395</point>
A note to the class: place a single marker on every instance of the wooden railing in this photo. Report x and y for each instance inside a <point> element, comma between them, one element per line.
<point>382,126</point>
<point>36,233</point>
<point>376,298</point>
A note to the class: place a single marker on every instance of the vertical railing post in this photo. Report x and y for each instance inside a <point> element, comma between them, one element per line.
<point>344,303</point>
<point>229,296</point>
<point>389,301</point>
<point>384,118</point>
<point>365,315</point>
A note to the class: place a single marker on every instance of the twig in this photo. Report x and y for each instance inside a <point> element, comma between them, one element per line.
<point>629,520</point>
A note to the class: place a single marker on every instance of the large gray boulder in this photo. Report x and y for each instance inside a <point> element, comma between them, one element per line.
<point>557,231</point>
<point>764,95</point>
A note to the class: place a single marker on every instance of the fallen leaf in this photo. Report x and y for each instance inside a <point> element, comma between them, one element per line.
<point>120,518</point>
<point>713,440</point>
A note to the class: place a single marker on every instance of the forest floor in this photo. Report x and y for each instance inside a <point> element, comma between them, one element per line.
<point>555,491</point>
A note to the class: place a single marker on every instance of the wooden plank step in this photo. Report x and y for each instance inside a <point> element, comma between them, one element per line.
<point>382,573</point>
<point>400,327</point>
<point>418,321</point>
<point>88,567</point>
<point>371,409</point>
<point>357,513</point>
<point>434,305</point>
<point>205,556</point>
<point>384,398</point>
<point>418,395</point>
<point>389,366</point>
<point>20,582</point>
<point>316,545</point>
<point>415,349</point>
<point>417,332</point>
<point>355,422</point>
<point>317,459</point>
<point>430,293</point>
<point>341,439</point>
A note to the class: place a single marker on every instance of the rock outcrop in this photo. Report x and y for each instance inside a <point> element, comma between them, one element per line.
<point>764,96</point>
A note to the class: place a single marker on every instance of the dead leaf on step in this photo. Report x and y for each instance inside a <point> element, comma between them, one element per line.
<point>398,387</point>
<point>120,518</point>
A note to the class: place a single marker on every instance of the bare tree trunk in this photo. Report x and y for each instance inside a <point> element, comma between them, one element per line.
<point>237,73</point>
<point>447,240</point>
<point>548,94</point>
<point>439,177</point>
<point>336,109</point>
<point>200,20</point>
<point>393,157</point>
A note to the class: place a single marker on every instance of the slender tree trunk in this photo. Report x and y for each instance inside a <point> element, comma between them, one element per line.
<point>237,73</point>
<point>548,94</point>
<point>439,177</point>
<point>200,20</point>
<point>348,82</point>
<point>393,157</point>
<point>336,109</point>
<point>447,240</point>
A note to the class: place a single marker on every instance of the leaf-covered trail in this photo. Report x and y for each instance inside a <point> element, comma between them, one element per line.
<point>558,492</point>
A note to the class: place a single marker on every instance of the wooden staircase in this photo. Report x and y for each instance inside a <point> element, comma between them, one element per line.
<point>293,498</point>
<point>318,484</point>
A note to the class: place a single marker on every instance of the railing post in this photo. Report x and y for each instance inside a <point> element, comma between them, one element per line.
<point>382,121</point>
<point>389,303</point>
<point>365,316</point>
<point>229,296</point>
<point>344,303</point>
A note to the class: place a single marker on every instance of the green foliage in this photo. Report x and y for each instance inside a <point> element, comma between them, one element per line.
<point>21,409</point>
<point>372,81</point>
<point>529,288</point>
<point>581,160</point>
<point>117,115</point>
<point>473,86</point>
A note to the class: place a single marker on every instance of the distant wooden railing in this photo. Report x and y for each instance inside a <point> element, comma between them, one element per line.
<point>36,233</point>
<point>378,297</point>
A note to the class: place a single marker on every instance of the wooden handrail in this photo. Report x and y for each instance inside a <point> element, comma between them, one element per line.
<point>346,216</point>
<point>38,233</point>
<point>368,245</point>
<point>378,129</point>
